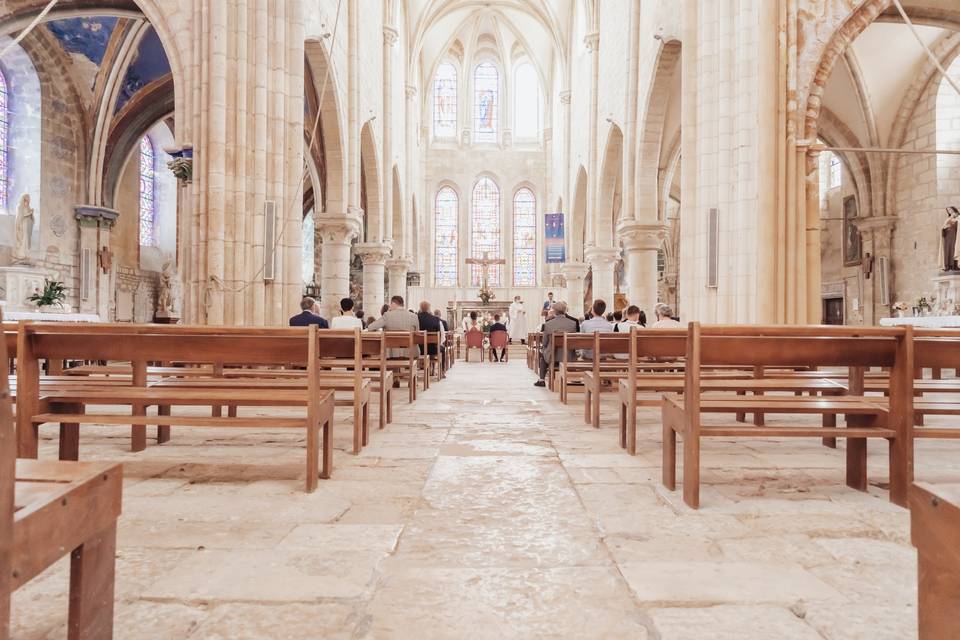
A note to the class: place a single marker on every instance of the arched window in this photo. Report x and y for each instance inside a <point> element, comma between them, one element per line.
<point>486,89</point>
<point>446,238</point>
<point>836,171</point>
<point>524,239</point>
<point>445,101</point>
<point>527,104</point>
<point>308,247</point>
<point>4,138</point>
<point>485,229</point>
<point>148,187</point>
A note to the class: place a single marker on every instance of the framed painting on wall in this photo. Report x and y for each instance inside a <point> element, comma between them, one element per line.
<point>852,242</point>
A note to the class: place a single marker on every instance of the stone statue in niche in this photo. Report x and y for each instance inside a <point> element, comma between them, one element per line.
<point>167,291</point>
<point>23,231</point>
<point>948,241</point>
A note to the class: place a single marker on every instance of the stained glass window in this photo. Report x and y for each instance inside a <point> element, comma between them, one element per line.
<point>836,172</point>
<point>308,247</point>
<point>4,135</point>
<point>524,239</point>
<point>448,206</point>
<point>526,102</point>
<point>148,203</point>
<point>486,89</point>
<point>485,229</point>
<point>445,101</point>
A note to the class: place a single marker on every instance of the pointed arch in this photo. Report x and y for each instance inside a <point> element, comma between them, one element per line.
<point>610,200</point>
<point>578,217</point>
<point>485,225</point>
<point>372,185</point>
<point>148,192</point>
<point>445,100</point>
<point>4,137</point>
<point>446,237</point>
<point>652,142</point>
<point>486,102</point>
<point>524,238</point>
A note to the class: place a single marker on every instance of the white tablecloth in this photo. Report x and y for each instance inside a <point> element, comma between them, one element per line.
<point>927,322</point>
<point>14,316</point>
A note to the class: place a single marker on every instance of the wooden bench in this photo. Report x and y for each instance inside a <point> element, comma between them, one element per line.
<point>139,344</point>
<point>793,346</point>
<point>48,510</point>
<point>533,350</point>
<point>935,532</point>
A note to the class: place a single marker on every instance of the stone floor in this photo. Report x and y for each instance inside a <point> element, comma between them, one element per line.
<point>489,510</point>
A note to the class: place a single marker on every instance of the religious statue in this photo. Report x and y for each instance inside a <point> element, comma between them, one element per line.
<point>167,293</point>
<point>24,231</point>
<point>486,293</point>
<point>105,258</point>
<point>948,241</point>
<point>518,321</point>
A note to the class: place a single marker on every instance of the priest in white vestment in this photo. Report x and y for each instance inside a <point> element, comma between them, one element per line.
<point>518,321</point>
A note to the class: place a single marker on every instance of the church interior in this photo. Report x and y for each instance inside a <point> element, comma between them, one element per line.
<point>480,319</point>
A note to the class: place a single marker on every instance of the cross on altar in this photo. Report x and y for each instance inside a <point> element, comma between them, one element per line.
<point>486,262</point>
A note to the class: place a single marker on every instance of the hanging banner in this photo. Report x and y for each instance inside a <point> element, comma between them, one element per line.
<point>555,249</point>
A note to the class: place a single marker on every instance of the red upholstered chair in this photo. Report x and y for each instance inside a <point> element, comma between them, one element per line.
<point>499,340</point>
<point>474,338</point>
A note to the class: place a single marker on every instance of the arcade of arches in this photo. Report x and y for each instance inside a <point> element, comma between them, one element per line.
<point>212,162</point>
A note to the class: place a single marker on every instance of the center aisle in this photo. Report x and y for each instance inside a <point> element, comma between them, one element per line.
<point>501,545</point>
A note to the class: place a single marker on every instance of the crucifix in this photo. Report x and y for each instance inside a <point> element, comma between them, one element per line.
<point>486,262</point>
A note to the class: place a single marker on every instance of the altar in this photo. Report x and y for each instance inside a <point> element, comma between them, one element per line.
<point>924,322</point>
<point>457,310</point>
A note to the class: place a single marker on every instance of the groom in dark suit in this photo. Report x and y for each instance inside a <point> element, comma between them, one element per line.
<point>307,317</point>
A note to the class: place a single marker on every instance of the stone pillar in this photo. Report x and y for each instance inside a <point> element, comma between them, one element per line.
<point>96,259</point>
<point>397,270</point>
<point>575,273</point>
<point>336,233</point>
<point>374,256</point>
<point>603,261</point>
<point>640,245</point>
<point>592,42</point>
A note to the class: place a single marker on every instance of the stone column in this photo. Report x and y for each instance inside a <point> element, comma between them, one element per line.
<point>397,270</point>
<point>592,42</point>
<point>374,256</point>
<point>603,260</point>
<point>640,245</point>
<point>336,233</point>
<point>96,258</point>
<point>877,234</point>
<point>575,273</point>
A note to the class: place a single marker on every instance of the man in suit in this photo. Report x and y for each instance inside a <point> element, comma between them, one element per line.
<point>307,317</point>
<point>433,324</point>
<point>396,319</point>
<point>498,326</point>
<point>560,323</point>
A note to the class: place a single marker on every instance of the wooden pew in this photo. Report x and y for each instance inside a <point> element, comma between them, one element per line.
<point>405,368</point>
<point>570,370</point>
<point>50,509</point>
<point>794,346</point>
<point>935,532</point>
<point>139,344</point>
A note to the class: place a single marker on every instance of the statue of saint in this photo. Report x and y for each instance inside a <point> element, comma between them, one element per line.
<point>23,231</point>
<point>948,241</point>
<point>167,295</point>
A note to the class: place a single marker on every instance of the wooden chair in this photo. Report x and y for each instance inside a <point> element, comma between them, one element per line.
<point>49,509</point>
<point>793,346</point>
<point>935,531</point>
<point>500,340</point>
<point>474,340</point>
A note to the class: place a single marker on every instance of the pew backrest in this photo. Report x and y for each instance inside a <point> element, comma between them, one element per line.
<point>8,463</point>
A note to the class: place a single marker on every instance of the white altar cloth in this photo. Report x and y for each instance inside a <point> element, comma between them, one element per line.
<point>926,322</point>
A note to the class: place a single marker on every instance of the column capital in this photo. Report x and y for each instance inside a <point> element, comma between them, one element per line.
<point>411,90</point>
<point>390,35</point>
<point>338,229</point>
<point>592,41</point>
<point>574,270</point>
<point>601,256</point>
<point>565,97</point>
<point>399,264</point>
<point>638,236</point>
<point>90,215</point>
<point>875,223</point>
<point>373,253</point>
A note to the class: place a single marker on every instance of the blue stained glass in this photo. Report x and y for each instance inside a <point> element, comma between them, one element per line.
<point>446,238</point>
<point>524,239</point>
<point>148,208</point>
<point>4,137</point>
<point>485,229</point>
<point>486,87</point>
<point>445,101</point>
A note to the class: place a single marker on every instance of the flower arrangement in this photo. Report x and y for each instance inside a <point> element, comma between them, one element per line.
<point>53,294</point>
<point>486,295</point>
<point>900,306</point>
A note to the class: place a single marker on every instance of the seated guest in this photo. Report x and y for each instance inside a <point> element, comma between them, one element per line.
<point>610,318</point>
<point>346,319</point>
<point>446,327</point>
<point>431,323</point>
<point>472,322</point>
<point>498,326</point>
<point>643,319</point>
<point>359,315</point>
<point>307,317</point>
<point>368,321</point>
<point>396,318</point>
<point>665,319</point>
<point>632,320</point>
<point>595,324</point>
<point>384,309</point>
<point>617,317</point>
<point>560,323</point>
